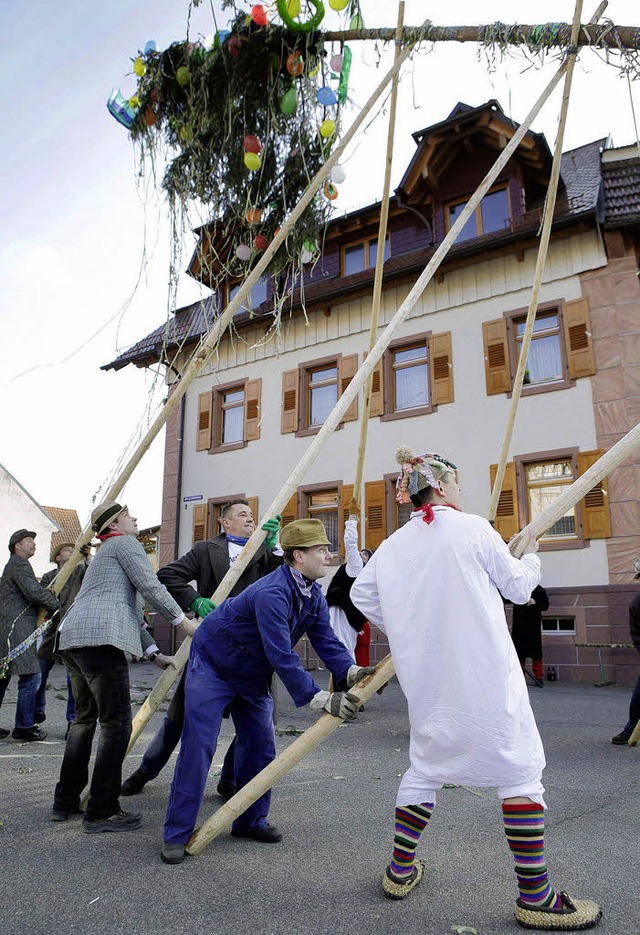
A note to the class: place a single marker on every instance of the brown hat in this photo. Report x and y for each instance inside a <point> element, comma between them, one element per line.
<point>18,535</point>
<point>104,514</point>
<point>302,534</point>
<point>57,549</point>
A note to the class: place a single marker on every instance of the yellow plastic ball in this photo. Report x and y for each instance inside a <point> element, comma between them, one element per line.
<point>134,101</point>
<point>338,4</point>
<point>183,76</point>
<point>327,128</point>
<point>252,161</point>
<point>139,67</point>
<point>293,8</point>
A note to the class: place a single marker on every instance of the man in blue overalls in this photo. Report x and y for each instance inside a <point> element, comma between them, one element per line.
<point>234,653</point>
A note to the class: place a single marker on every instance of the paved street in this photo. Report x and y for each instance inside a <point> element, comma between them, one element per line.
<point>336,812</point>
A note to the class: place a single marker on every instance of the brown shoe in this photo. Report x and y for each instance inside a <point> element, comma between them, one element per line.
<point>573,916</point>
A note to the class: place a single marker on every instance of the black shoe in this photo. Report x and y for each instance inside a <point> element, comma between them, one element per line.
<point>4,733</point>
<point>135,783</point>
<point>29,733</point>
<point>226,789</point>
<point>267,834</point>
<point>621,738</point>
<point>39,717</point>
<point>63,814</point>
<point>172,853</point>
<point>121,821</point>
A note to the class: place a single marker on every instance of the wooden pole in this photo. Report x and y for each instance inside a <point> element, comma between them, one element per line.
<point>542,36</point>
<point>541,260</point>
<point>300,748</point>
<point>635,736</point>
<point>356,504</point>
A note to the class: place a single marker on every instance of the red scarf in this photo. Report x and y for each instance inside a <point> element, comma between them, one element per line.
<point>109,535</point>
<point>428,515</point>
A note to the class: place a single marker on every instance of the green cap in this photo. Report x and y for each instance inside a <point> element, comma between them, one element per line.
<point>303,533</point>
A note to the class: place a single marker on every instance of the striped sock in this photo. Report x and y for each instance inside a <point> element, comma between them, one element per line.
<point>524,828</point>
<point>411,820</point>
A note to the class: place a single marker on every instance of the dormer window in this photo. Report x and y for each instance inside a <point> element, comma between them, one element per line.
<point>492,214</point>
<point>257,297</point>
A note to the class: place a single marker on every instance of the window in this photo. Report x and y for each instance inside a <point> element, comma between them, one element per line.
<point>492,214</point>
<point>545,360</point>
<point>407,378</point>
<point>322,393</point>
<point>545,482</point>
<point>310,392</point>
<point>323,502</point>
<point>559,625</point>
<point>229,416</point>
<point>362,255</point>
<point>257,297</point>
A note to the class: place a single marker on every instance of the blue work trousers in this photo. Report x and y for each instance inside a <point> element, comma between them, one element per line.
<point>46,665</point>
<point>207,696</point>
<point>634,709</point>
<point>166,739</point>
<point>26,703</point>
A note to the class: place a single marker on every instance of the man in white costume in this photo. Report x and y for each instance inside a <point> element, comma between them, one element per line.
<point>434,588</point>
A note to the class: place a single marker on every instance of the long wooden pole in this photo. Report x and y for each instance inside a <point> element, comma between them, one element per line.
<point>355,506</point>
<point>541,260</point>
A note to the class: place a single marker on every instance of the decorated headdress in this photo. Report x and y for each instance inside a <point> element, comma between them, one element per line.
<point>419,471</point>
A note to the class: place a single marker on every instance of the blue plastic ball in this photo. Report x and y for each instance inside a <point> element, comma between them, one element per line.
<point>326,96</point>
<point>151,46</point>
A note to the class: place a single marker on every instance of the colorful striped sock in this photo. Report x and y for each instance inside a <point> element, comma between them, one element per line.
<point>411,820</point>
<point>524,828</point>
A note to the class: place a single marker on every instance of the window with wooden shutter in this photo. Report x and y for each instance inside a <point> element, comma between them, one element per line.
<point>346,495</point>
<point>203,437</point>
<point>441,368</point>
<point>577,333</point>
<point>596,518</point>
<point>290,512</point>
<point>252,410</point>
<point>290,383</point>
<point>200,513</point>
<point>507,520</point>
<point>253,506</point>
<point>496,357</point>
<point>377,396</point>
<point>407,378</point>
<point>347,367</point>
<point>375,513</point>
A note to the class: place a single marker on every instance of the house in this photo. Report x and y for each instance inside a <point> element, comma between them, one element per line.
<point>68,524</point>
<point>19,510</point>
<point>445,381</point>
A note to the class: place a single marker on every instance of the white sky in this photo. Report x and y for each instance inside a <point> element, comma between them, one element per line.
<point>75,225</point>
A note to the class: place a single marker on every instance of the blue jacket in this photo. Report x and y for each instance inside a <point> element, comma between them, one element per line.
<point>252,635</point>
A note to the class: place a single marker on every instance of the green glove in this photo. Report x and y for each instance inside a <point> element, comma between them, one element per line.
<point>202,606</point>
<point>272,526</point>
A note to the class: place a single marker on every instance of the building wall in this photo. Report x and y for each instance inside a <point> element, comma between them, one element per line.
<point>19,511</point>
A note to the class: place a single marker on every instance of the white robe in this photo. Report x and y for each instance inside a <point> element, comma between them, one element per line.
<point>433,589</point>
<point>354,565</point>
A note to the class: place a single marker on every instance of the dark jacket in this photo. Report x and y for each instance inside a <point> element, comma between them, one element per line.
<point>207,563</point>
<point>338,596</point>
<point>66,598</point>
<point>526,630</point>
<point>21,597</point>
<point>634,621</point>
<point>250,636</point>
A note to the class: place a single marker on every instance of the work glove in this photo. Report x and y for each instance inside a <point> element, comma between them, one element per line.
<point>272,526</point>
<point>357,673</point>
<point>339,704</point>
<point>202,606</point>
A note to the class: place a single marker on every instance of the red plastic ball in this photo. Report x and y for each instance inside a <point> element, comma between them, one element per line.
<point>234,45</point>
<point>295,64</point>
<point>260,243</point>
<point>258,15</point>
<point>251,143</point>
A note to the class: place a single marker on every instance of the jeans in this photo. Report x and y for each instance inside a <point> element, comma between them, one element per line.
<point>634,709</point>
<point>207,697</point>
<point>100,683</point>
<point>26,703</point>
<point>46,665</point>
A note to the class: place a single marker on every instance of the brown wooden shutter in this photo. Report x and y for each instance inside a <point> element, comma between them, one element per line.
<point>347,367</point>
<point>253,504</point>
<point>290,512</point>
<point>577,335</point>
<point>507,519</point>
<point>441,368</point>
<point>496,356</point>
<point>346,494</point>
<point>200,513</point>
<point>290,383</point>
<point>375,513</point>
<point>377,390</point>
<point>596,518</point>
<point>252,410</point>
<point>203,436</point>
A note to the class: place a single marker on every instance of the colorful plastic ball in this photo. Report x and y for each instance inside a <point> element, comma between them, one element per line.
<point>252,161</point>
<point>260,243</point>
<point>326,96</point>
<point>183,76</point>
<point>259,15</point>
<point>149,116</point>
<point>295,64</point>
<point>338,174</point>
<point>356,22</point>
<point>139,67</point>
<point>330,191</point>
<point>306,256</point>
<point>151,46</point>
<point>251,143</point>
<point>235,46</point>
<point>327,128</point>
<point>289,102</point>
<point>243,252</point>
<point>253,216</point>
<point>220,38</point>
<point>335,62</point>
<point>134,101</point>
<point>338,4</point>
<point>293,8</point>
<point>184,134</point>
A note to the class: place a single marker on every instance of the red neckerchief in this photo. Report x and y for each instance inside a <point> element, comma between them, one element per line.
<point>109,535</point>
<point>428,515</point>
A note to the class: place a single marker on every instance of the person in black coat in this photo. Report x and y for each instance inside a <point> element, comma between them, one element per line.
<point>526,631</point>
<point>206,563</point>
<point>634,704</point>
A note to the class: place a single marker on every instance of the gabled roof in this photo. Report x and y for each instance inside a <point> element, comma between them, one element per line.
<point>68,526</point>
<point>42,509</point>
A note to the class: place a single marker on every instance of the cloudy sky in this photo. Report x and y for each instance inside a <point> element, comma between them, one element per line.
<point>84,255</point>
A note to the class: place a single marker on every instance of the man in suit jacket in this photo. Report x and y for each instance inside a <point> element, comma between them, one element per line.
<point>21,597</point>
<point>206,563</point>
<point>104,623</point>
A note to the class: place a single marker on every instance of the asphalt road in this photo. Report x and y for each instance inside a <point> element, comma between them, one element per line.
<point>336,812</point>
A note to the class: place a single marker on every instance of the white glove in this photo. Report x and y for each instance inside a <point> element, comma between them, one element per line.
<point>338,704</point>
